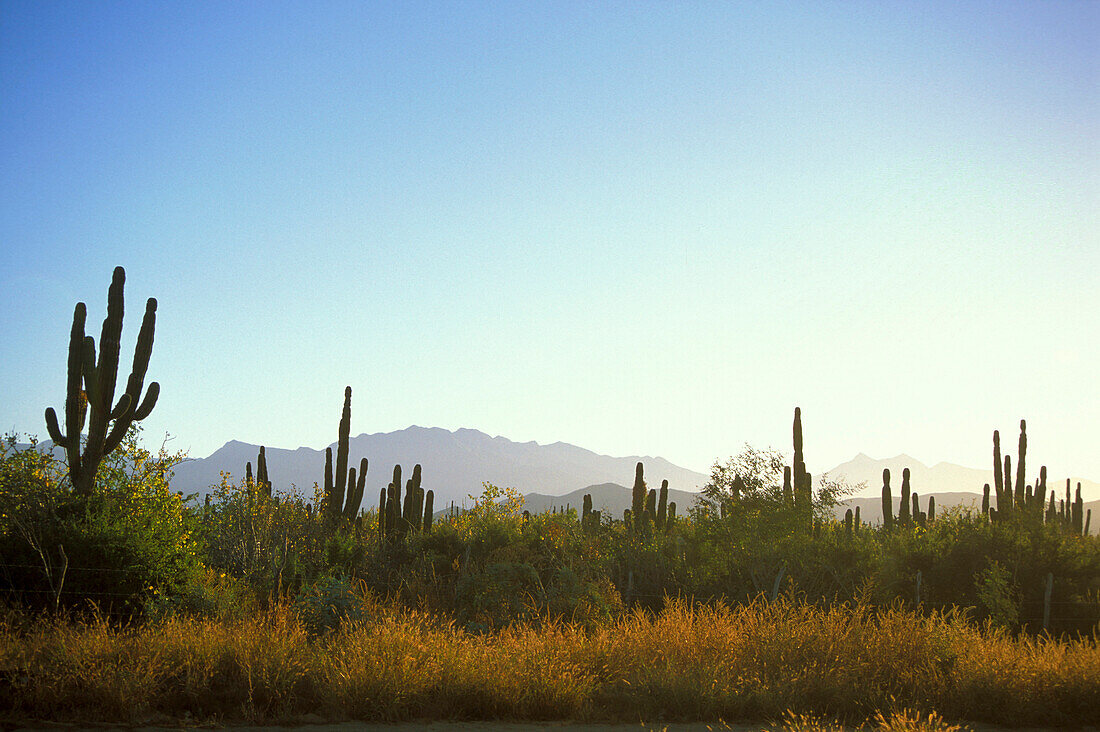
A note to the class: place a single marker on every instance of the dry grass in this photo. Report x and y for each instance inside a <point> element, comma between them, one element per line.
<point>784,660</point>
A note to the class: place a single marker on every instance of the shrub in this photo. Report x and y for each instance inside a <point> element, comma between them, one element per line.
<point>128,542</point>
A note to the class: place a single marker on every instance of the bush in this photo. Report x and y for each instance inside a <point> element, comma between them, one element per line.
<point>129,542</point>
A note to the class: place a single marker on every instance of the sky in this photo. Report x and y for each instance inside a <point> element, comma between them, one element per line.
<point>641,228</point>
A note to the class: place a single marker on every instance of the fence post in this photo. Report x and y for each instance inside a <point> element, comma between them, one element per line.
<point>1046,601</point>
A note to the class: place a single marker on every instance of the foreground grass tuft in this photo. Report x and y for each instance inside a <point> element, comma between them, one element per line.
<point>889,668</point>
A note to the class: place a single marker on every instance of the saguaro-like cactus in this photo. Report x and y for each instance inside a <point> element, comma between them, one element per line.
<point>905,516</point>
<point>336,480</point>
<point>803,483</point>
<point>887,501</point>
<point>429,506</point>
<point>662,505</point>
<point>90,388</point>
<point>1021,454</point>
<point>355,490</point>
<point>638,496</point>
<point>261,480</point>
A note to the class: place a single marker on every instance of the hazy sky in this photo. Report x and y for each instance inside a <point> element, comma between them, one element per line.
<point>640,228</point>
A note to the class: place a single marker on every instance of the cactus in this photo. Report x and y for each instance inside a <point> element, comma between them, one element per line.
<point>1041,491</point>
<point>262,478</point>
<point>382,513</point>
<point>905,518</point>
<point>848,522</point>
<point>1009,494</point>
<point>1078,515</point>
<point>107,425</point>
<point>931,508</point>
<point>788,491</point>
<point>355,491</point>
<point>429,503</point>
<point>998,475</point>
<point>802,482</point>
<point>887,501</point>
<point>662,505</point>
<point>1020,457</point>
<point>638,496</point>
<point>336,478</point>
<point>858,521</point>
<point>985,501</point>
<point>671,518</point>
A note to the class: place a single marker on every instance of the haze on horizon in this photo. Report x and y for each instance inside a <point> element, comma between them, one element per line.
<point>639,228</point>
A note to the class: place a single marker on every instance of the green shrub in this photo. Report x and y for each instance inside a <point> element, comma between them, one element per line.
<point>118,549</point>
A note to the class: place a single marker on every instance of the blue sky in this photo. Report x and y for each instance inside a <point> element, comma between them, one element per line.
<point>640,228</point>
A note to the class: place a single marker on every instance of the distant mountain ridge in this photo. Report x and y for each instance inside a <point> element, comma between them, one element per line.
<point>942,477</point>
<point>454,465</point>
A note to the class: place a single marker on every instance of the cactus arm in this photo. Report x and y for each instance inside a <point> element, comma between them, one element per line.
<point>55,430</point>
<point>120,410</point>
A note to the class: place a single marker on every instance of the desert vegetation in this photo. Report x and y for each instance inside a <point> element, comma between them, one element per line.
<point>122,599</point>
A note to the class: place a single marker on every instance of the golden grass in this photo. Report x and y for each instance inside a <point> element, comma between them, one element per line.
<point>782,660</point>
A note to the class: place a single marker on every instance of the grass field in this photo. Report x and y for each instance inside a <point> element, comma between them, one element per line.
<point>792,663</point>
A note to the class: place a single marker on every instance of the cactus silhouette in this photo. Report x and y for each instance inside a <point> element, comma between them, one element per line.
<point>90,388</point>
<point>662,505</point>
<point>905,517</point>
<point>887,501</point>
<point>1020,457</point>
<point>638,496</point>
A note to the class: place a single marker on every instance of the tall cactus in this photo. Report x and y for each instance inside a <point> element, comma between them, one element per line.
<point>803,490</point>
<point>107,425</point>
<point>662,505</point>
<point>1078,514</point>
<point>887,501</point>
<point>1020,472</point>
<point>261,479</point>
<point>638,496</point>
<point>998,475</point>
<point>356,487</point>
<point>429,506</point>
<point>336,483</point>
<point>1041,492</point>
<point>905,516</point>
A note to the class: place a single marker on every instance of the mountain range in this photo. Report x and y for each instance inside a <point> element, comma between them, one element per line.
<point>557,475</point>
<point>454,465</point>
